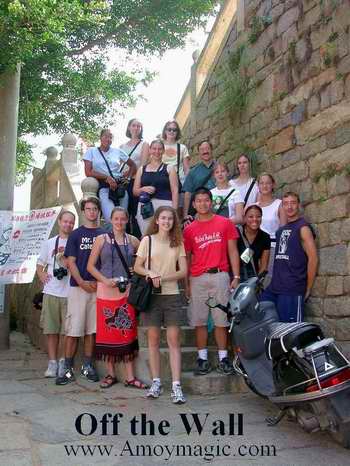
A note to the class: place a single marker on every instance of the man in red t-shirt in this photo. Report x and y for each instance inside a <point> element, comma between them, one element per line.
<point>211,248</point>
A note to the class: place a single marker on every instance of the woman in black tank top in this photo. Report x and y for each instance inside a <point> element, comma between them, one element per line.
<point>156,184</point>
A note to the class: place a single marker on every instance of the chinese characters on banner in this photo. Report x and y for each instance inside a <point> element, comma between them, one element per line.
<point>21,237</point>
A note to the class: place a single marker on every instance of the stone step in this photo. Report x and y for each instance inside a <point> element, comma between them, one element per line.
<point>142,368</point>
<point>212,384</point>
<point>188,338</point>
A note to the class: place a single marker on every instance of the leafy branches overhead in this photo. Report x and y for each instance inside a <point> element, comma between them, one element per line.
<point>70,80</point>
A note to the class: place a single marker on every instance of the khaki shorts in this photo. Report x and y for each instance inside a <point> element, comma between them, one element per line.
<point>81,313</point>
<point>215,285</point>
<point>164,311</point>
<point>53,315</point>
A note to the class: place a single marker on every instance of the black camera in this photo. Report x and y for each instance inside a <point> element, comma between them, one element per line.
<point>60,273</point>
<point>122,283</point>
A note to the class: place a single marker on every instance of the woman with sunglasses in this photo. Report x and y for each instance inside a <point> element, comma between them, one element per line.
<point>176,155</point>
<point>156,184</point>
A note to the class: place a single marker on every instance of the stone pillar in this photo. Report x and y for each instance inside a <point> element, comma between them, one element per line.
<point>52,176</point>
<point>9,99</point>
<point>69,154</point>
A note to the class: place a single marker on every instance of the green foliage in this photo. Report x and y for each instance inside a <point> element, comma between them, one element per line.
<point>258,24</point>
<point>237,83</point>
<point>24,161</point>
<point>71,77</point>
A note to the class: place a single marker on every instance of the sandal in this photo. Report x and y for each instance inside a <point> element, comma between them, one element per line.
<point>136,383</point>
<point>108,381</point>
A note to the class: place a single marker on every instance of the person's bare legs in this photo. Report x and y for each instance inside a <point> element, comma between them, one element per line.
<point>89,345</point>
<point>70,346</point>
<point>201,337</point>
<point>153,348</point>
<point>221,337</point>
<point>52,345</point>
<point>173,339</point>
<point>129,371</point>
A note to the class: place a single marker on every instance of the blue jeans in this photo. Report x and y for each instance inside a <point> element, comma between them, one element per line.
<point>107,205</point>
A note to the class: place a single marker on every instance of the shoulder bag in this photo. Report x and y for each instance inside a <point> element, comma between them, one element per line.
<point>115,194</point>
<point>248,192</point>
<point>141,287</point>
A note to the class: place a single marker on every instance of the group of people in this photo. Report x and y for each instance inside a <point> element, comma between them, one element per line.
<point>176,226</point>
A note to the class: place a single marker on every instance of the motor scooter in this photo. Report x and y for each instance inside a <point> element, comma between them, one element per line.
<point>292,364</point>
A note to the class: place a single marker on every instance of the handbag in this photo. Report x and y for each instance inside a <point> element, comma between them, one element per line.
<point>141,287</point>
<point>116,194</point>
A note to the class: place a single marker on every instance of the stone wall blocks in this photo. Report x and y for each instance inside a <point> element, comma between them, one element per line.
<point>312,68</point>
<point>335,232</point>
<point>337,91</point>
<point>306,192</point>
<point>289,36</point>
<point>313,105</point>
<point>296,172</point>
<point>315,147</point>
<point>277,11</point>
<point>326,97</point>
<point>323,122</point>
<point>287,19</point>
<point>335,286</point>
<point>345,230</point>
<point>322,229</point>
<point>319,289</point>
<point>290,157</point>
<point>326,77</point>
<point>326,325</point>
<point>343,66</point>
<point>347,285</point>
<point>339,184</point>
<point>333,261</point>
<point>310,16</point>
<point>314,307</point>
<point>337,307</point>
<point>322,163</point>
<point>347,86</point>
<point>282,142</point>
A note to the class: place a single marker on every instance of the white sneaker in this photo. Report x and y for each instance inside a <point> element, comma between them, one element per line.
<point>177,396</point>
<point>61,367</point>
<point>155,390</point>
<point>51,370</point>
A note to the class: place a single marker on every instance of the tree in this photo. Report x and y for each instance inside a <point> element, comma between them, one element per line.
<point>68,80</point>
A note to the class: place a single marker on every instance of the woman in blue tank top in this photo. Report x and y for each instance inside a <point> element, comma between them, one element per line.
<point>156,184</point>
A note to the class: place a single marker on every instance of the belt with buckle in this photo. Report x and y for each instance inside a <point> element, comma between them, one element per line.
<point>213,270</point>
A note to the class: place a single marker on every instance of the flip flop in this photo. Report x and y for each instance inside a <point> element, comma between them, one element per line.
<point>136,383</point>
<point>108,381</point>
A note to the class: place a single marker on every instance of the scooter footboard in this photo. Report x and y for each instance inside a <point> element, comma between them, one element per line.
<point>259,373</point>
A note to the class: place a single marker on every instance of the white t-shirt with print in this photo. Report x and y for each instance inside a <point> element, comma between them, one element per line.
<point>54,287</point>
<point>243,189</point>
<point>220,194</point>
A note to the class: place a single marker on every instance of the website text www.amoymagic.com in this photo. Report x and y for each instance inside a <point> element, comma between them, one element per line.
<point>224,435</point>
<point>170,452</point>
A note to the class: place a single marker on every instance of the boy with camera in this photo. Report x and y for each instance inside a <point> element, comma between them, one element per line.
<point>53,274</point>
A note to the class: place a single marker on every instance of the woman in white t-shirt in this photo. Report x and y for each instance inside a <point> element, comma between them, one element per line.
<point>138,152</point>
<point>171,134</point>
<point>165,308</point>
<point>226,199</point>
<point>244,182</point>
<point>135,147</point>
<point>273,215</point>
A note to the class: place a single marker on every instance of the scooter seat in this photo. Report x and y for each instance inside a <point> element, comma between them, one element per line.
<point>285,336</point>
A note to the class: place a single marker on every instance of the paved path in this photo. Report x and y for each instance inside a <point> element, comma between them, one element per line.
<point>37,420</point>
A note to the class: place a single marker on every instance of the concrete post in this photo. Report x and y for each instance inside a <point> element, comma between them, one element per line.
<point>9,100</point>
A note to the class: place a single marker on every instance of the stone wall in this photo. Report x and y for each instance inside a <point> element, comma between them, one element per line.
<point>297,122</point>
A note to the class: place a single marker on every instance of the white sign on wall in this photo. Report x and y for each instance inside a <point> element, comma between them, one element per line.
<point>21,237</point>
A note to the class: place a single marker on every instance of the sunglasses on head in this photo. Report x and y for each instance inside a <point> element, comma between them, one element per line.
<point>172,130</point>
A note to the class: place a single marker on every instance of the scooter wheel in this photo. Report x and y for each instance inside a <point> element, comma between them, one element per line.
<point>342,435</point>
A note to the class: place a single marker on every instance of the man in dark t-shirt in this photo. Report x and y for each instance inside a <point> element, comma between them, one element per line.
<point>81,308</point>
<point>295,263</point>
